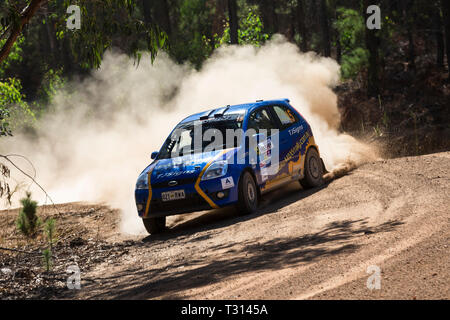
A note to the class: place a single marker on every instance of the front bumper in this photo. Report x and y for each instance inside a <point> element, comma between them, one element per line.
<point>194,200</point>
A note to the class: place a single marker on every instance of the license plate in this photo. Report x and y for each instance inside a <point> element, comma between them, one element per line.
<point>173,195</point>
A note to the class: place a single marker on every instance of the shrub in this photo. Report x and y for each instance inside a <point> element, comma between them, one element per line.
<point>49,230</point>
<point>47,259</point>
<point>28,221</point>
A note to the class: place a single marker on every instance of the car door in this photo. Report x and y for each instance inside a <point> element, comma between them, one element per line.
<point>259,120</point>
<point>290,132</point>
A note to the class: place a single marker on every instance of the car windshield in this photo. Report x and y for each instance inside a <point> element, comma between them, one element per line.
<point>212,135</point>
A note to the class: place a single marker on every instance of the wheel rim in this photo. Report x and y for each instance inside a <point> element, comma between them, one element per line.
<point>251,192</point>
<point>314,167</point>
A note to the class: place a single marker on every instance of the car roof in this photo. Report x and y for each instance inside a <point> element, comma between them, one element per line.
<point>235,109</point>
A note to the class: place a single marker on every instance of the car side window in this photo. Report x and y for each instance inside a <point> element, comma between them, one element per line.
<point>183,141</point>
<point>261,119</point>
<point>286,116</point>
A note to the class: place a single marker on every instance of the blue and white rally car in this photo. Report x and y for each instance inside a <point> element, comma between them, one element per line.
<point>228,156</point>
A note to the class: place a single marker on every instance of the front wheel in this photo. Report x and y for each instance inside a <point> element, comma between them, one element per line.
<point>155,225</point>
<point>313,170</point>
<point>248,194</point>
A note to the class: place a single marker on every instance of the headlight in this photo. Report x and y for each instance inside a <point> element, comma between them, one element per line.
<point>216,170</point>
<point>142,182</point>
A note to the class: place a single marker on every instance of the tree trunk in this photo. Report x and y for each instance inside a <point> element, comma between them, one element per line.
<point>325,29</point>
<point>157,12</point>
<point>50,36</point>
<point>269,16</point>
<point>338,47</point>
<point>440,47</point>
<point>408,17</point>
<point>300,14</point>
<point>67,56</point>
<point>232,11</point>
<point>147,11</point>
<point>372,44</point>
<point>446,15</point>
<point>337,36</point>
<point>16,29</point>
<point>162,12</point>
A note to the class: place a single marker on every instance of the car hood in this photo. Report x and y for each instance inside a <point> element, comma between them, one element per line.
<point>185,167</point>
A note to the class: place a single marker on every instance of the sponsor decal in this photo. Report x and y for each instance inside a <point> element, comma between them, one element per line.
<point>297,146</point>
<point>295,130</point>
<point>174,174</point>
<point>227,183</point>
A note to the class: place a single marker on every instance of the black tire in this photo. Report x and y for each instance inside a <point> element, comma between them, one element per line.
<point>248,195</point>
<point>155,225</point>
<point>313,170</point>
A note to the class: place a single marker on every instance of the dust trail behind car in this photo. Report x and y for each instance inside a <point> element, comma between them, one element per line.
<point>101,131</point>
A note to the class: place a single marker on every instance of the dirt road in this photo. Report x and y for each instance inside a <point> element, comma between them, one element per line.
<point>318,244</point>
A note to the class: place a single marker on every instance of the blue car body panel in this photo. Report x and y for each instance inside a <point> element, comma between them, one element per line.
<point>186,171</point>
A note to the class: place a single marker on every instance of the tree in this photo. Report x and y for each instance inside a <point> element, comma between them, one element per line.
<point>445,5</point>
<point>157,12</point>
<point>103,25</point>
<point>351,30</point>
<point>325,28</point>
<point>18,21</point>
<point>269,16</point>
<point>337,37</point>
<point>233,20</point>
<point>408,17</point>
<point>28,221</point>
<point>440,46</point>
<point>372,40</point>
<point>250,32</point>
<point>301,19</point>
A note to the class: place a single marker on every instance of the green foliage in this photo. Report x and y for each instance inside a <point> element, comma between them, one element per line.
<point>52,82</point>
<point>352,62</point>
<point>49,230</point>
<point>351,27</point>
<point>192,39</point>
<point>14,111</point>
<point>28,221</point>
<point>250,31</point>
<point>14,58</point>
<point>47,259</point>
<point>10,92</point>
<point>102,24</point>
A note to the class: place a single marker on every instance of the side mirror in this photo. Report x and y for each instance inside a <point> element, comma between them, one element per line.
<point>154,155</point>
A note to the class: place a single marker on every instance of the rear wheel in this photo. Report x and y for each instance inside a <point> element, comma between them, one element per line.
<point>155,225</point>
<point>248,194</point>
<point>313,170</point>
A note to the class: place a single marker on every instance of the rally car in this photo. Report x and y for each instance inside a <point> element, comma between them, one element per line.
<point>205,163</point>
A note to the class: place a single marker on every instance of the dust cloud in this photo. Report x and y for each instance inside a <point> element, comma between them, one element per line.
<point>100,134</point>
